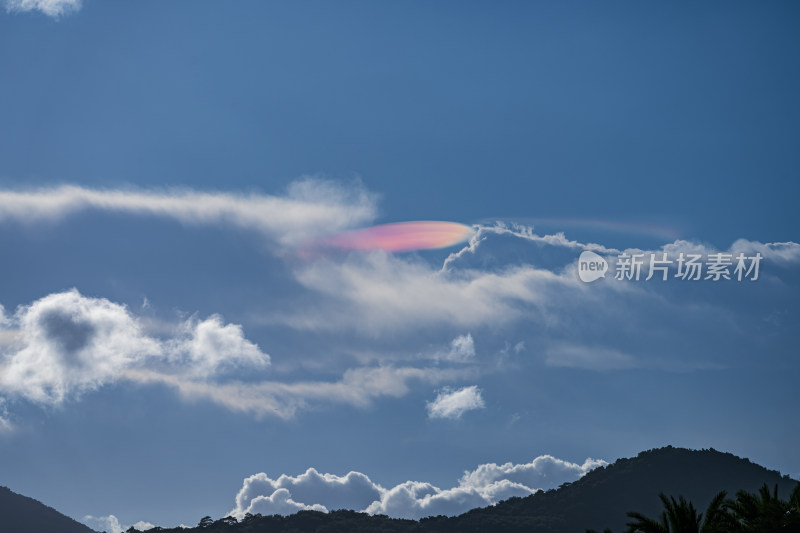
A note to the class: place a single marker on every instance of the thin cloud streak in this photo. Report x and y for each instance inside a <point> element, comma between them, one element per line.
<point>358,387</point>
<point>310,207</point>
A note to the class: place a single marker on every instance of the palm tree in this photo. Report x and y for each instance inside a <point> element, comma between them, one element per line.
<point>793,514</point>
<point>681,517</point>
<point>765,511</point>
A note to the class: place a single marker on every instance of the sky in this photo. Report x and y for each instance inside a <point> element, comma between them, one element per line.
<point>201,318</point>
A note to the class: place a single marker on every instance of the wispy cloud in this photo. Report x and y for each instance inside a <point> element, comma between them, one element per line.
<point>51,8</point>
<point>589,357</point>
<point>310,207</point>
<point>505,278</point>
<point>382,291</point>
<point>358,387</point>
<point>462,349</point>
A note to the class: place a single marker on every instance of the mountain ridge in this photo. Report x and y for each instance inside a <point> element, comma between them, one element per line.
<point>602,498</point>
<point>598,500</point>
<point>21,514</point>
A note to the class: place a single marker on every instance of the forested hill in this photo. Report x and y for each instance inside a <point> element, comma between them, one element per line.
<point>602,497</point>
<point>20,514</point>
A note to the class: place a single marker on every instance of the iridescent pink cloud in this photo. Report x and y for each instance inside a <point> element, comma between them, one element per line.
<point>402,236</point>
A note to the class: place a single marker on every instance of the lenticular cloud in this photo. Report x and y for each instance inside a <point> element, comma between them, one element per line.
<point>402,236</point>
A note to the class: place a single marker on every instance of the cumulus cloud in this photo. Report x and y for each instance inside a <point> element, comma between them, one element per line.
<point>326,492</point>
<point>110,524</point>
<point>69,344</point>
<point>414,499</point>
<point>51,8</point>
<point>454,403</point>
<point>65,344</point>
<point>309,208</point>
<point>209,346</point>
<point>545,472</point>
<point>280,502</point>
<point>486,485</point>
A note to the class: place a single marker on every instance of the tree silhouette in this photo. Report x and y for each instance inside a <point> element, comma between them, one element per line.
<point>681,517</point>
<point>758,512</point>
<point>793,515</point>
<point>765,511</point>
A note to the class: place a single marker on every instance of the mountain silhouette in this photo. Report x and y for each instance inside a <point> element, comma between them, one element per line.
<point>600,499</point>
<point>20,514</point>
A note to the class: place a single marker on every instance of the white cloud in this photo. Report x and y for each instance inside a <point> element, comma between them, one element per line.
<point>545,472</point>
<point>377,292</point>
<point>70,344</point>
<point>309,208</point>
<point>4,320</point>
<point>413,499</point>
<point>783,252</point>
<point>327,491</point>
<point>486,485</point>
<point>51,8</point>
<point>506,247</point>
<point>5,422</point>
<point>358,387</point>
<point>502,276</point>
<point>279,502</point>
<point>209,347</point>
<point>508,277</point>
<point>780,252</point>
<point>454,403</point>
<point>462,348</point>
<point>65,344</point>
<point>110,524</point>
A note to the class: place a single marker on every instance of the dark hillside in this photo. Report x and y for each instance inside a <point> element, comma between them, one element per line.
<point>20,514</point>
<point>603,497</point>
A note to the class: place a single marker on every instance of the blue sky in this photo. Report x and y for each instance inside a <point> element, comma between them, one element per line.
<point>162,165</point>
